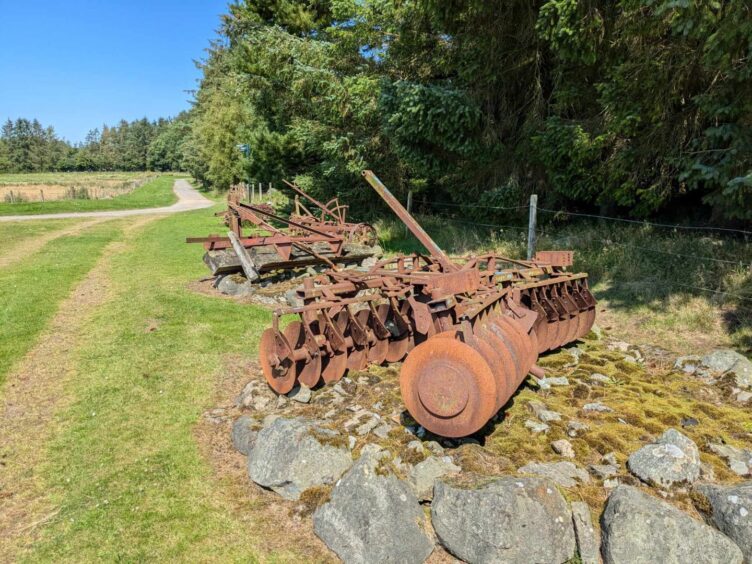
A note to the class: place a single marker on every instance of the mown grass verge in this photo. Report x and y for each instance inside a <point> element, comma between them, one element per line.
<point>154,194</point>
<point>131,482</point>
<point>13,234</point>
<point>32,290</point>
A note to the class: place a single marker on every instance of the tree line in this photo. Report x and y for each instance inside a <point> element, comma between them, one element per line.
<point>641,107</point>
<point>27,146</point>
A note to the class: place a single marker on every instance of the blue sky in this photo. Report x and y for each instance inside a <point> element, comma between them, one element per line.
<point>76,64</point>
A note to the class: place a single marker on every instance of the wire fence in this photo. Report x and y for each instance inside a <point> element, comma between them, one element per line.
<point>743,262</point>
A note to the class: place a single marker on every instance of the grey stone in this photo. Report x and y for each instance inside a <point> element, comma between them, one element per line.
<point>739,460</point>
<point>689,422</point>
<point>235,285</point>
<point>547,416</point>
<point>596,407</point>
<point>688,364</point>
<point>566,474</point>
<point>574,428</point>
<point>255,393</point>
<point>603,471</point>
<point>672,459</point>
<point>588,543</point>
<point>424,474</point>
<point>435,448</point>
<point>293,299</point>
<point>289,458</point>
<point>620,346</point>
<point>743,397</point>
<point>536,427</point>
<point>243,434</point>
<point>729,361</point>
<point>373,518</point>
<point>611,483</point>
<point>638,528</point>
<point>300,394</point>
<point>382,431</point>
<point>558,381</point>
<point>600,378</point>
<point>731,512</point>
<point>610,458</point>
<point>563,447</point>
<point>368,426</point>
<point>511,520</point>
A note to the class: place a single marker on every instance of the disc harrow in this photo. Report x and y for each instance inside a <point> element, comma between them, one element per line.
<point>469,330</point>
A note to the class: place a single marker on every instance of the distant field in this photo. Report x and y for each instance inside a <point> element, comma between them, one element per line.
<point>80,192</point>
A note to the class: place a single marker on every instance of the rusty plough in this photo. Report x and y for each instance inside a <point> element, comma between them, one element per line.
<point>304,239</point>
<point>469,330</point>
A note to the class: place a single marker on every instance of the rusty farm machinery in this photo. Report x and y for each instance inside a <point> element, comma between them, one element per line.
<point>322,237</point>
<point>468,330</point>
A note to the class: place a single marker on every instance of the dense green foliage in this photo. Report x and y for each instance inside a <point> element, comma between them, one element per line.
<point>633,106</point>
<point>27,146</point>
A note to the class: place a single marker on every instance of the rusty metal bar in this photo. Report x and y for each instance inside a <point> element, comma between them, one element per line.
<point>409,221</point>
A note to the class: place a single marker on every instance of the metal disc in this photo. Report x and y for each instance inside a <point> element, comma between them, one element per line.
<point>397,349</point>
<point>521,341</point>
<point>378,352</point>
<point>309,370</point>
<point>497,362</point>
<point>448,387</point>
<point>357,358</point>
<point>500,337</point>
<point>335,367</point>
<point>281,377</point>
<point>512,364</point>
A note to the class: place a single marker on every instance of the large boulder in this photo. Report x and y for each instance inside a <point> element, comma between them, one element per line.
<point>511,520</point>
<point>373,517</point>
<point>727,361</point>
<point>292,455</point>
<point>672,459</point>
<point>565,474</point>
<point>244,434</point>
<point>729,508</point>
<point>424,474</point>
<point>638,528</point>
<point>588,542</point>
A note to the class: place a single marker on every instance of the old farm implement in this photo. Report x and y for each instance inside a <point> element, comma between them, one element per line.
<point>469,330</point>
<point>281,243</point>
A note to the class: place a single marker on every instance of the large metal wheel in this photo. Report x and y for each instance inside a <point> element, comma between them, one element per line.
<point>448,387</point>
<point>277,363</point>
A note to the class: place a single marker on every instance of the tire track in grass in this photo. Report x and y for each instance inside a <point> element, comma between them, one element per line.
<point>31,245</point>
<point>31,398</point>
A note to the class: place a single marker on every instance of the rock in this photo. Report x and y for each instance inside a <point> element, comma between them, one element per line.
<point>424,474</point>
<point>610,458</point>
<point>536,427</point>
<point>382,431</point>
<point>373,518</point>
<point>743,397</point>
<point>253,392</point>
<point>688,364</point>
<point>292,455</point>
<point>301,394</point>
<point>731,362</point>
<point>603,471</point>
<point>243,434</point>
<point>547,416</point>
<point>731,512</point>
<point>566,474</point>
<point>638,528</point>
<point>611,483</point>
<point>739,460</point>
<point>588,544</point>
<point>689,422</point>
<point>558,381</point>
<point>435,448</point>
<point>368,426</point>
<point>600,378</point>
<point>235,285</point>
<point>511,520</point>
<point>672,459</point>
<point>574,428</point>
<point>293,299</point>
<point>563,447</point>
<point>596,407</point>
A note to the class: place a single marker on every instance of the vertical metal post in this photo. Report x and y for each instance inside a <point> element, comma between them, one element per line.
<point>531,226</point>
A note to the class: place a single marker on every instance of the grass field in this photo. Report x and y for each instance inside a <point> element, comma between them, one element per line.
<point>155,193</point>
<point>116,378</point>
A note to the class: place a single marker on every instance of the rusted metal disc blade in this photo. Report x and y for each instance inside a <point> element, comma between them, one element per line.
<point>357,358</point>
<point>397,349</point>
<point>522,342</point>
<point>335,367</point>
<point>498,360</point>
<point>581,324</point>
<point>530,351</point>
<point>500,338</point>
<point>574,323</point>
<point>378,351</point>
<point>591,319</point>
<point>281,375</point>
<point>309,371</point>
<point>553,334</point>
<point>448,387</point>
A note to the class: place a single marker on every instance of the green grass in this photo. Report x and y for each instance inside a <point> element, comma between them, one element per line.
<point>134,484</point>
<point>154,194</point>
<point>13,234</point>
<point>32,290</point>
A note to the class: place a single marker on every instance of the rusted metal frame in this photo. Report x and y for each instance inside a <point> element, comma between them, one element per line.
<point>322,207</point>
<point>244,209</point>
<point>217,242</point>
<point>321,305</point>
<point>420,234</point>
<point>550,281</point>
